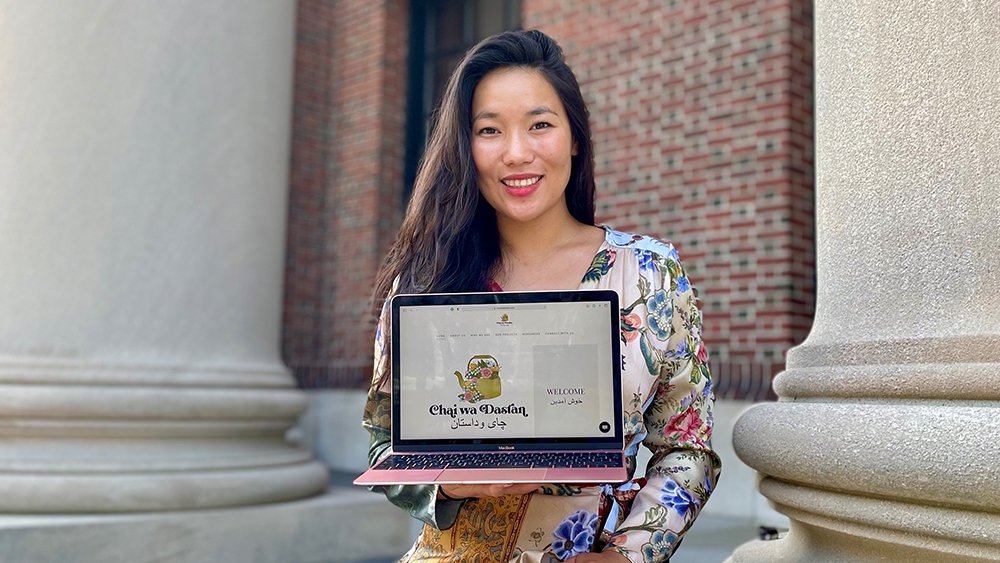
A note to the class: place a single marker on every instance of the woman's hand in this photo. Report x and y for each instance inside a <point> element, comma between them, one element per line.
<point>610,556</point>
<point>490,490</point>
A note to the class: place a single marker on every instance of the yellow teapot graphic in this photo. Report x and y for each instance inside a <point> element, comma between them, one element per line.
<point>481,381</point>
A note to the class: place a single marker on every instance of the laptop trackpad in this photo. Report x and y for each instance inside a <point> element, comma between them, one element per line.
<point>492,476</point>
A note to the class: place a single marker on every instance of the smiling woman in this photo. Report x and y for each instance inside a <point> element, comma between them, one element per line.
<point>522,146</point>
<point>504,199</point>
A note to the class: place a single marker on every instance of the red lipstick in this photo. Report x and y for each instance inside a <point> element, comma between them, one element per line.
<point>520,188</point>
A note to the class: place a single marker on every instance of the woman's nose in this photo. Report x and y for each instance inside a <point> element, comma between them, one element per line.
<point>518,149</point>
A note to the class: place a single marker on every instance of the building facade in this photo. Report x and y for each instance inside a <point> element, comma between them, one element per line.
<point>701,116</point>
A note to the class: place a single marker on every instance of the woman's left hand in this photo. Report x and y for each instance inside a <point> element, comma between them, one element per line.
<point>610,556</point>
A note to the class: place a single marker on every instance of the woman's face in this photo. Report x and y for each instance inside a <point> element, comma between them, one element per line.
<point>521,145</point>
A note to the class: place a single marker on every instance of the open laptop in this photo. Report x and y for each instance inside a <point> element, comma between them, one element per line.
<point>505,387</point>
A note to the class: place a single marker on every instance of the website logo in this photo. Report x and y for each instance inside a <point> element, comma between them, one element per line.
<point>481,381</point>
<point>504,320</point>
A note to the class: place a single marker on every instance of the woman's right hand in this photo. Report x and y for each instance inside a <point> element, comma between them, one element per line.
<point>486,490</point>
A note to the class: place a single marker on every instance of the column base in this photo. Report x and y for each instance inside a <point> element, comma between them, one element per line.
<point>67,493</point>
<point>806,543</point>
<point>338,526</point>
<point>79,437</point>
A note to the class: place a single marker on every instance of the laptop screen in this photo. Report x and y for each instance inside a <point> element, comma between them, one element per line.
<point>508,370</point>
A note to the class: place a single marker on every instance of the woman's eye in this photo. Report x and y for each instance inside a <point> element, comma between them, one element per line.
<point>487,131</point>
<point>541,125</point>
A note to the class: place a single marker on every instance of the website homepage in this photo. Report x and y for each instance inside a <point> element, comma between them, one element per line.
<point>506,371</point>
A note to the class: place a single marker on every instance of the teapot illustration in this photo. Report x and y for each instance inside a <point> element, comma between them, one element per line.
<point>481,381</point>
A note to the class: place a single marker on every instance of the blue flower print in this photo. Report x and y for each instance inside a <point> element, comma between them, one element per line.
<point>380,340</point>
<point>674,496</point>
<point>682,350</point>
<point>664,249</point>
<point>687,400</point>
<point>672,253</point>
<point>683,284</point>
<point>632,422</point>
<point>659,547</point>
<point>645,260</point>
<point>575,535</point>
<point>660,312</point>
<point>619,238</point>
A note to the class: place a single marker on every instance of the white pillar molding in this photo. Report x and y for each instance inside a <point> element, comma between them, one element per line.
<point>885,442</point>
<point>143,184</point>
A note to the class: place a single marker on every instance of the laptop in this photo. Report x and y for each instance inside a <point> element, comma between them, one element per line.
<point>510,387</point>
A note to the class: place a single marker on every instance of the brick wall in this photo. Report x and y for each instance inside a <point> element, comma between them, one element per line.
<point>702,122</point>
<point>346,181</point>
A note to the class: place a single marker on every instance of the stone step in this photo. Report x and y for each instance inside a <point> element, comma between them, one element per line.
<point>372,529</point>
<point>342,525</point>
<point>369,541</point>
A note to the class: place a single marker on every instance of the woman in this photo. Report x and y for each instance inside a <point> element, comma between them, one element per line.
<point>505,201</point>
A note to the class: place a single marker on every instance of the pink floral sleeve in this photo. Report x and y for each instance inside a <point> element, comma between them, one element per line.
<point>660,315</point>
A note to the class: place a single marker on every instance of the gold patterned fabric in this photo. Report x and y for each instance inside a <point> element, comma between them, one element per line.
<point>485,532</point>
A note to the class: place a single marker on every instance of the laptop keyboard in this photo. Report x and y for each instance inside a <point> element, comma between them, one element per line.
<point>502,460</point>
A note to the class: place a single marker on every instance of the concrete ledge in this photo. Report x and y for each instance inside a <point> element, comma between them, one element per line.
<point>338,526</point>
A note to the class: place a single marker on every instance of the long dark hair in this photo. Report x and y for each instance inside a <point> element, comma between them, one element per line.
<point>449,240</point>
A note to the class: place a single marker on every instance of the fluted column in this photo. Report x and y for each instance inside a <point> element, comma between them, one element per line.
<point>885,443</point>
<point>143,186</point>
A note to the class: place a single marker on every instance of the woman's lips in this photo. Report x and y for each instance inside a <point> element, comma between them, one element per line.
<point>521,185</point>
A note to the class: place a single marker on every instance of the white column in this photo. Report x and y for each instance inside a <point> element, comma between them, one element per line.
<point>144,149</point>
<point>885,444</point>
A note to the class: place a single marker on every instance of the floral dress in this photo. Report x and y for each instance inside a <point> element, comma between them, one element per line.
<point>667,408</point>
